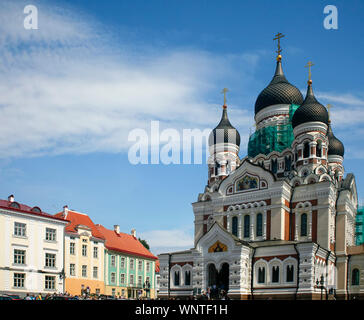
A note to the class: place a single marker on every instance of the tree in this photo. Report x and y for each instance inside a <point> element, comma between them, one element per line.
<point>144,243</point>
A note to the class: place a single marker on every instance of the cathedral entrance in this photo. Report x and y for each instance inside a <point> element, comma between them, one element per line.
<point>218,280</point>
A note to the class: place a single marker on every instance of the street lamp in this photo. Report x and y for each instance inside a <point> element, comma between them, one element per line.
<point>321,282</point>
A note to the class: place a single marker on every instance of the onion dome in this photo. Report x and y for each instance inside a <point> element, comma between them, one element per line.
<point>228,133</point>
<point>336,147</point>
<point>279,91</point>
<point>310,110</point>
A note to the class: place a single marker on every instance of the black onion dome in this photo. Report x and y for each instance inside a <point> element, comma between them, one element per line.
<point>228,133</point>
<point>336,147</point>
<point>310,110</point>
<point>279,91</point>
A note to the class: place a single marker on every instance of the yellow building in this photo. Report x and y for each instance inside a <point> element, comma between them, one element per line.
<point>84,254</point>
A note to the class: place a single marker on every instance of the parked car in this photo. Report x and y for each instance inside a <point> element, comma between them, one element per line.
<point>5,297</point>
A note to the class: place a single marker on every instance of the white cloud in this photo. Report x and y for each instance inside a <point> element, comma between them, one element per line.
<point>66,89</point>
<point>161,241</point>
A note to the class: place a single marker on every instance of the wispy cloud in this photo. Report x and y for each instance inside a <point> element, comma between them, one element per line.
<point>66,89</point>
<point>161,241</point>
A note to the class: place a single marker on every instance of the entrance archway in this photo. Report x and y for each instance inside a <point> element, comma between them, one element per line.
<point>218,280</point>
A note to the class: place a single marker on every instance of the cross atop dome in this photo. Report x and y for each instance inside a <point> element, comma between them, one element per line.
<point>224,92</point>
<point>309,65</point>
<point>278,37</point>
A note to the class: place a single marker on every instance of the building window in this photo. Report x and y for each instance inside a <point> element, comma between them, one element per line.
<point>319,150</point>
<point>98,291</point>
<point>234,226</point>
<point>112,277</point>
<point>50,283</point>
<point>274,165</point>
<point>95,273</point>
<point>187,278</point>
<point>19,256</point>
<point>275,274</point>
<point>132,264</point>
<point>122,263</point>
<point>72,248</point>
<point>290,270</point>
<point>261,275</point>
<point>176,278</point>
<point>306,150</point>
<point>304,225</point>
<point>246,226</point>
<point>72,269</point>
<point>131,279</point>
<point>148,266</point>
<point>259,225</point>
<point>140,265</point>
<point>20,229</point>
<point>355,277</point>
<point>84,250</point>
<point>50,260</point>
<point>122,278</point>
<point>50,234</point>
<point>113,291</point>
<point>96,252</point>
<point>113,261</point>
<point>84,271</point>
<point>139,280</point>
<point>19,279</point>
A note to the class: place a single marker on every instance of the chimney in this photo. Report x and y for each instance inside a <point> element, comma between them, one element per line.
<point>11,198</point>
<point>133,233</point>
<point>117,228</point>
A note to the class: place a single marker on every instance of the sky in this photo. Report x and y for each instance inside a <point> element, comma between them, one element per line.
<point>72,90</point>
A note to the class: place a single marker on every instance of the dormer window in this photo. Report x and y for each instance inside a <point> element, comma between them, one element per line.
<point>36,209</point>
<point>15,205</point>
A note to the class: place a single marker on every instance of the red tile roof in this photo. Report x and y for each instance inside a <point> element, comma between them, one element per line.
<point>11,205</point>
<point>157,266</point>
<point>76,219</point>
<point>123,242</point>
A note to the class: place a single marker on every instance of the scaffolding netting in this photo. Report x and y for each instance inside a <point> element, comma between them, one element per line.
<point>272,138</point>
<point>359,238</point>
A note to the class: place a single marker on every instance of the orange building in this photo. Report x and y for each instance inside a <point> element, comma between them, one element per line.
<point>84,254</point>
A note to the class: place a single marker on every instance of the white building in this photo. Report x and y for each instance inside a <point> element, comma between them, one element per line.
<point>278,223</point>
<point>31,255</point>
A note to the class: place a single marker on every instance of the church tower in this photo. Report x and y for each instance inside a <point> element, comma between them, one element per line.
<point>224,145</point>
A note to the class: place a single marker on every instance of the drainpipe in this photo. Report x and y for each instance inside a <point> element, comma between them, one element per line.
<point>252,275</point>
<point>314,278</point>
<point>169,275</point>
<point>298,270</point>
<point>348,278</point>
<point>327,268</point>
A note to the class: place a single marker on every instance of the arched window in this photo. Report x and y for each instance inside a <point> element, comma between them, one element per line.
<point>355,277</point>
<point>287,163</point>
<point>261,275</point>
<point>259,225</point>
<point>234,226</point>
<point>306,150</point>
<point>176,278</point>
<point>274,165</point>
<point>304,225</point>
<point>187,278</point>
<point>289,275</point>
<point>275,274</point>
<point>319,149</point>
<point>246,226</point>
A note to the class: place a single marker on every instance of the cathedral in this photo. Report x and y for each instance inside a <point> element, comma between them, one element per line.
<point>280,222</point>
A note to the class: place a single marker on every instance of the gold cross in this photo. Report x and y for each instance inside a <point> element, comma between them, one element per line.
<point>309,65</point>
<point>278,37</point>
<point>224,92</point>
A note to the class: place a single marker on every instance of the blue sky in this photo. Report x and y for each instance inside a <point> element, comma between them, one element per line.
<point>94,70</point>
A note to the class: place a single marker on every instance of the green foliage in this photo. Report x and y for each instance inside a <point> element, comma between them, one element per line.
<point>144,243</point>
